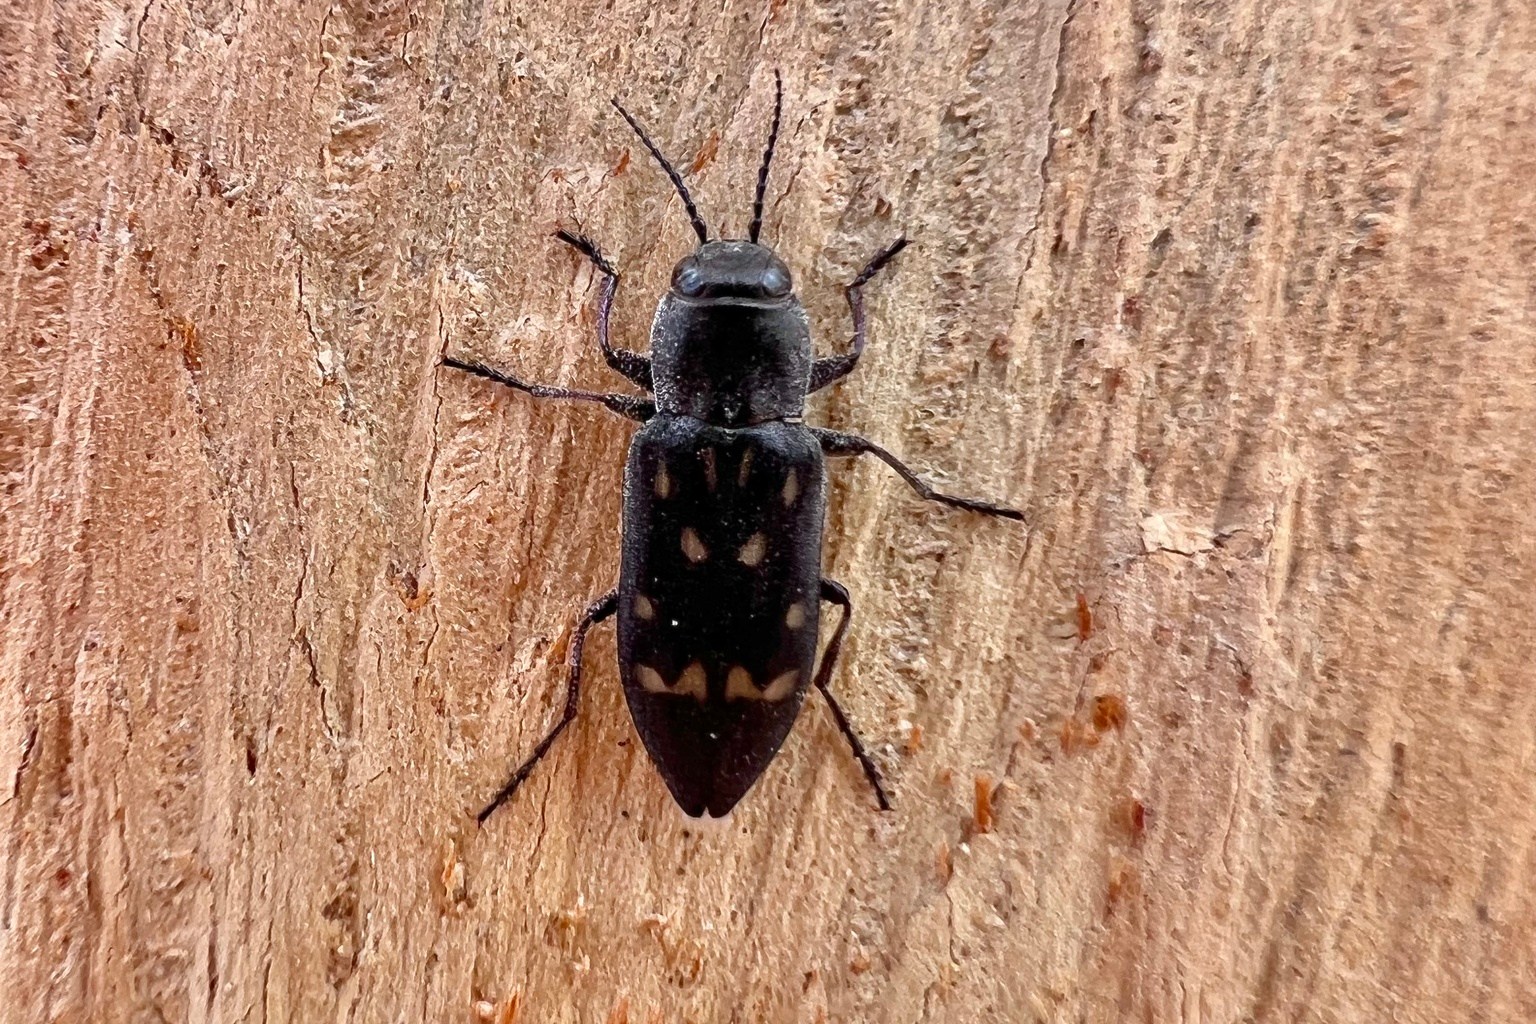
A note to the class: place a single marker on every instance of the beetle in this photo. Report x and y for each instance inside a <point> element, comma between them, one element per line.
<point>720,582</point>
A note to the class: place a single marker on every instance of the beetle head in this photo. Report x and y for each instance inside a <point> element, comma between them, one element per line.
<point>731,270</point>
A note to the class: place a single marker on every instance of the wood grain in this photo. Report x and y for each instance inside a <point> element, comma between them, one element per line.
<point>1235,300</point>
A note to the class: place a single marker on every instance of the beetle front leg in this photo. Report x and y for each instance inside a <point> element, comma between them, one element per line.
<point>631,364</point>
<point>835,443</point>
<point>595,613</point>
<point>827,370</point>
<point>635,408</point>
<point>834,592</point>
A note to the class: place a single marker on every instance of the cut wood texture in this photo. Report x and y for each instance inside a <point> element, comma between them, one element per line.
<point>1234,300</point>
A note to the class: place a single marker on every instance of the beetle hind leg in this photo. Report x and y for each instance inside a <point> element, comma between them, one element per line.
<point>834,592</point>
<point>599,610</point>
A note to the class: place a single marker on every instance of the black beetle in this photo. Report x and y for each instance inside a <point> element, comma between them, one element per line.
<point>724,500</point>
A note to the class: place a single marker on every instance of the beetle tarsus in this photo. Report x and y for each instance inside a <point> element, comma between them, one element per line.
<point>878,261</point>
<point>836,443</point>
<point>599,610</point>
<point>834,592</point>
<point>588,248</point>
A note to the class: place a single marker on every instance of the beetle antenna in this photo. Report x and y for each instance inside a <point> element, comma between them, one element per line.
<point>762,173</point>
<point>677,179</point>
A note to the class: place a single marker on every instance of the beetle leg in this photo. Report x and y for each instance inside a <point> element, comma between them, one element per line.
<point>640,409</point>
<point>834,592</point>
<point>631,364</point>
<point>836,443</point>
<point>599,610</point>
<point>827,370</point>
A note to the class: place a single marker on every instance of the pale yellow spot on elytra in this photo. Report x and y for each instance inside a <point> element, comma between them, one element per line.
<point>692,682</point>
<point>649,679</point>
<point>692,546</point>
<point>791,488</point>
<point>708,455</point>
<point>782,686</point>
<point>644,608</point>
<point>663,482</point>
<point>738,685</point>
<point>753,551</point>
<point>746,468</point>
<point>795,617</point>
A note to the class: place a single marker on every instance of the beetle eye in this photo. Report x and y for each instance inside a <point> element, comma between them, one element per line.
<point>775,281</point>
<point>686,280</point>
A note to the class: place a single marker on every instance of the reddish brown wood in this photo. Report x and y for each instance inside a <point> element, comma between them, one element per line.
<point>1234,299</point>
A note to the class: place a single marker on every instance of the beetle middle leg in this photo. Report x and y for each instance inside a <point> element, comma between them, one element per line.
<point>599,610</point>
<point>827,370</point>
<point>836,443</point>
<point>631,364</point>
<point>640,409</point>
<point>834,592</point>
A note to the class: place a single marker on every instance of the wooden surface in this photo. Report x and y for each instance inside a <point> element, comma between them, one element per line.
<point>1236,300</point>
